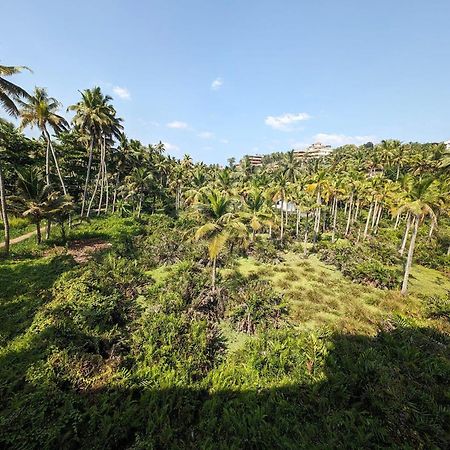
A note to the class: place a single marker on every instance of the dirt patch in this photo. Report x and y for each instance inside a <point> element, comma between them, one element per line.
<point>81,250</point>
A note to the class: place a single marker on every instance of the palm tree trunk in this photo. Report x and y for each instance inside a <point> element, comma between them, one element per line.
<point>349,218</point>
<point>375,212</point>
<point>88,174</point>
<point>405,237</point>
<point>4,212</point>
<point>38,232</point>
<point>213,279</point>
<point>282,222</point>
<point>55,159</point>
<point>410,256</point>
<point>93,194</point>
<point>48,229</point>
<point>366,229</point>
<point>47,161</point>
<point>398,172</point>
<point>297,223</point>
<point>102,175</point>
<point>430,234</point>
<point>115,193</point>
<point>377,222</point>
<point>305,242</point>
<point>355,217</point>
<point>397,220</point>
<point>333,236</point>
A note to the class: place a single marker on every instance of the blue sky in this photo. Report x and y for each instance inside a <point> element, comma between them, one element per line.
<point>222,78</point>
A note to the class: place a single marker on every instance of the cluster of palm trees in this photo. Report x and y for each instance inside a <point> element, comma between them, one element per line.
<point>90,165</point>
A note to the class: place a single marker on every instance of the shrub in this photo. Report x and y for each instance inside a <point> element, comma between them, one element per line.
<point>256,306</point>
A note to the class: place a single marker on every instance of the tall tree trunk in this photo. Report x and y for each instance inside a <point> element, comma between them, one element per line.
<point>430,234</point>
<point>366,229</point>
<point>333,236</point>
<point>88,174</point>
<point>405,236</point>
<point>213,276</point>
<point>47,160</point>
<point>398,172</point>
<point>38,232</point>
<point>91,201</point>
<point>410,256</point>
<point>48,229</point>
<point>377,222</point>
<point>355,217</point>
<point>282,221</point>
<point>397,220</point>
<point>375,213</point>
<point>55,159</point>
<point>297,223</point>
<point>349,218</point>
<point>317,220</point>
<point>102,175</point>
<point>4,212</point>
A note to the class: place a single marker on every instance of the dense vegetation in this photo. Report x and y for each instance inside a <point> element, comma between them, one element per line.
<point>301,304</point>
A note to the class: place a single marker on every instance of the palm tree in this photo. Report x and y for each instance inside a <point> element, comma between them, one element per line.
<point>255,211</point>
<point>40,110</point>
<point>220,226</point>
<point>95,118</point>
<point>36,198</point>
<point>9,94</point>
<point>421,197</point>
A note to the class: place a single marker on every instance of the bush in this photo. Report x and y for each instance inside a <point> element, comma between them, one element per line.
<point>265,250</point>
<point>256,306</point>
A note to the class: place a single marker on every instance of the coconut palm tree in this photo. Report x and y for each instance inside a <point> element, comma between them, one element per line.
<point>255,211</point>
<point>9,94</point>
<point>95,119</point>
<point>37,200</point>
<point>221,225</point>
<point>418,205</point>
<point>40,110</point>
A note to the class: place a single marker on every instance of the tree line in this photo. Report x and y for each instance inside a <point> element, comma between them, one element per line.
<point>89,166</point>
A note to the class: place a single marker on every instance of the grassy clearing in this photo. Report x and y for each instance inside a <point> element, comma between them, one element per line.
<point>320,296</point>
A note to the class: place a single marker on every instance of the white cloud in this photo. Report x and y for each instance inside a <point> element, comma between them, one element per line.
<point>171,148</point>
<point>217,84</point>
<point>206,135</point>
<point>122,92</point>
<point>342,139</point>
<point>285,121</point>
<point>224,141</point>
<point>177,124</point>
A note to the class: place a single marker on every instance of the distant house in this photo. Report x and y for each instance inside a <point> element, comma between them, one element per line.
<point>255,160</point>
<point>287,206</point>
<point>447,144</point>
<point>316,150</point>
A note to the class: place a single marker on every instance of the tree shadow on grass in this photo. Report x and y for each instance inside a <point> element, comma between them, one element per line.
<point>24,285</point>
<point>388,391</point>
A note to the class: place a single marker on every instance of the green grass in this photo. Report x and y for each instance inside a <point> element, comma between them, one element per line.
<point>320,296</point>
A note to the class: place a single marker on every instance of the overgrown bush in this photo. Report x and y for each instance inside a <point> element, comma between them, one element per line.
<point>256,305</point>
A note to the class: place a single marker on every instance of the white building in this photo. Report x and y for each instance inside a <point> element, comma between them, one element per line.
<point>316,150</point>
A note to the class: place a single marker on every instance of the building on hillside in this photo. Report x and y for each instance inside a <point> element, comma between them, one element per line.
<point>316,150</point>
<point>447,144</point>
<point>255,160</point>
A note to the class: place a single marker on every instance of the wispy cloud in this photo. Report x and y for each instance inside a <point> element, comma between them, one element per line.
<point>224,141</point>
<point>171,148</point>
<point>217,84</point>
<point>177,124</point>
<point>342,139</point>
<point>206,135</point>
<point>122,92</point>
<point>286,121</point>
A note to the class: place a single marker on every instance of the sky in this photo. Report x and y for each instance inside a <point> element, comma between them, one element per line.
<point>223,78</point>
